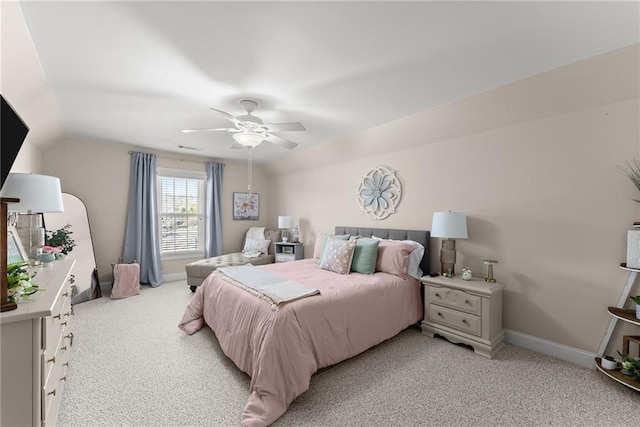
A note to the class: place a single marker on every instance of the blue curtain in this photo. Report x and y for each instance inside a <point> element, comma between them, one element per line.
<point>142,238</point>
<point>213,210</point>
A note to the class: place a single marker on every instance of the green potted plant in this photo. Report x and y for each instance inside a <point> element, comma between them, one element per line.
<point>19,283</point>
<point>608,362</point>
<point>60,239</point>
<point>632,169</point>
<point>636,299</point>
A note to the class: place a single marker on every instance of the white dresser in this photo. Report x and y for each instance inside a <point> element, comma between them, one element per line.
<point>35,350</point>
<point>468,312</point>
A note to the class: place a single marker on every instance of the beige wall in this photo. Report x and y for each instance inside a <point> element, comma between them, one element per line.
<point>538,181</point>
<point>98,173</point>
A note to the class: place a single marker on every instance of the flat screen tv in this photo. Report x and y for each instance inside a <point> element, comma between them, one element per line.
<point>13,131</point>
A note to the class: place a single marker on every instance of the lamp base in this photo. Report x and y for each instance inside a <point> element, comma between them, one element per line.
<point>31,232</point>
<point>448,258</point>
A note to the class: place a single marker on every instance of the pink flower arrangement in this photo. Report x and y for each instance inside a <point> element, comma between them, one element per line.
<point>51,249</point>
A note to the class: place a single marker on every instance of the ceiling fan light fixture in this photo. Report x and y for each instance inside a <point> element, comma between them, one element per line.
<point>248,138</point>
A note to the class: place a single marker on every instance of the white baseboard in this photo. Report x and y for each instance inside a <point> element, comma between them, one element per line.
<point>550,348</point>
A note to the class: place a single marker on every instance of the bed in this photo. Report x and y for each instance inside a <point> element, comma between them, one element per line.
<point>280,346</point>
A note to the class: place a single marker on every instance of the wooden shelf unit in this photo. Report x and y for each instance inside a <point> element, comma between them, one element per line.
<point>629,316</point>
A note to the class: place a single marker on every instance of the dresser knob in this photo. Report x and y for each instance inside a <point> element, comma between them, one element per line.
<point>66,294</point>
<point>65,364</point>
<point>438,295</point>
<point>57,316</point>
<point>439,314</point>
<point>53,359</point>
<point>52,392</point>
<point>63,378</point>
<point>67,314</point>
<point>467,302</point>
<point>63,348</point>
<point>464,321</point>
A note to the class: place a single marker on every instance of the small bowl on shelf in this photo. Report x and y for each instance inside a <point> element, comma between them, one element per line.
<point>609,364</point>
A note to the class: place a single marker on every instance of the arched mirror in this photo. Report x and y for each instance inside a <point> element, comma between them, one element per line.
<point>85,270</point>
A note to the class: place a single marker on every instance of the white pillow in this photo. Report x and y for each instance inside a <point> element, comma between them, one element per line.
<point>256,245</point>
<point>413,269</point>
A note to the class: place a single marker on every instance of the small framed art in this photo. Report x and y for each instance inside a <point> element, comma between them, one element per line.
<point>15,250</point>
<point>246,206</point>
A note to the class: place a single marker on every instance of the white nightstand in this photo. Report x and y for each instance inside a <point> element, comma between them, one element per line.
<point>464,311</point>
<point>287,251</point>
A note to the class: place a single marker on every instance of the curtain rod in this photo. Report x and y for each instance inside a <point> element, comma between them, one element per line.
<point>182,160</point>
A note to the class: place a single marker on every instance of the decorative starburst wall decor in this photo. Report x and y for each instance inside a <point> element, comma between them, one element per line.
<point>379,192</point>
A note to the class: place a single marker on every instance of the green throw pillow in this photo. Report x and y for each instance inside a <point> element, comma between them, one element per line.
<point>365,256</point>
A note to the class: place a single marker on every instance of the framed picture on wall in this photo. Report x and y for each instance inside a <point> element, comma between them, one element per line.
<point>246,206</point>
<point>15,250</point>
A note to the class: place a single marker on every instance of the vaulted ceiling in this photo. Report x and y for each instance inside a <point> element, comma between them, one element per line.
<point>139,72</point>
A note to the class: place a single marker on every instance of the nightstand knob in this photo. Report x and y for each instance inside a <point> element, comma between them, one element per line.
<point>467,302</point>
<point>464,321</point>
<point>439,314</point>
<point>438,295</point>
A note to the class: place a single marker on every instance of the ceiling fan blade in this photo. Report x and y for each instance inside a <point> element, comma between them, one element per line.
<point>277,140</point>
<point>227,116</point>
<point>211,129</point>
<point>284,127</point>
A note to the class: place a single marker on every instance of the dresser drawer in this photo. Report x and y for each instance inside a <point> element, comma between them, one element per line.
<point>55,326</point>
<point>53,388</point>
<point>455,319</point>
<point>456,299</point>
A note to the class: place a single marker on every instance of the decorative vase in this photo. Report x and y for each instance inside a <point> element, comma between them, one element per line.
<point>46,258</point>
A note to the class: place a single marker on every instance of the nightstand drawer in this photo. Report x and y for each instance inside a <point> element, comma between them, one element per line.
<point>454,319</point>
<point>456,299</point>
<point>285,257</point>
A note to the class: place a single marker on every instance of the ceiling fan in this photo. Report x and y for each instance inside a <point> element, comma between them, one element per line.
<point>250,131</point>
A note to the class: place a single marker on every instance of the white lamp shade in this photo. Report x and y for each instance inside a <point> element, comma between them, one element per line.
<point>37,193</point>
<point>248,138</point>
<point>284,221</point>
<point>449,225</point>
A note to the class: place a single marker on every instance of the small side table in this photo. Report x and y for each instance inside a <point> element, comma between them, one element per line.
<point>288,251</point>
<point>464,311</point>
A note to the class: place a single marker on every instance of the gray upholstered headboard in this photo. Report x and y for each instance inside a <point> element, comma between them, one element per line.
<point>420,236</point>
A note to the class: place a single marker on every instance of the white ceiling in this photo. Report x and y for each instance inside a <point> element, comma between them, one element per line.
<point>138,72</point>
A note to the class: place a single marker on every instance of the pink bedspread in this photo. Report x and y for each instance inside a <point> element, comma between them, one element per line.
<point>281,350</point>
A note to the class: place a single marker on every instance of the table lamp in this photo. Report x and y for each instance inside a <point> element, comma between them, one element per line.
<point>448,226</point>
<point>37,194</point>
<point>284,222</point>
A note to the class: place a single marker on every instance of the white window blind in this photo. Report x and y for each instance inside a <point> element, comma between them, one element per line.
<point>181,212</point>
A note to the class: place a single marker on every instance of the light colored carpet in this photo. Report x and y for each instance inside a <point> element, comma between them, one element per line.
<point>132,366</point>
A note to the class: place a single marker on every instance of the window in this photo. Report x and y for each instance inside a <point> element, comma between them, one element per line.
<point>181,200</point>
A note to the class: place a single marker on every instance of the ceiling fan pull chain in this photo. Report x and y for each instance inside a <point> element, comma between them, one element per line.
<point>250,167</point>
